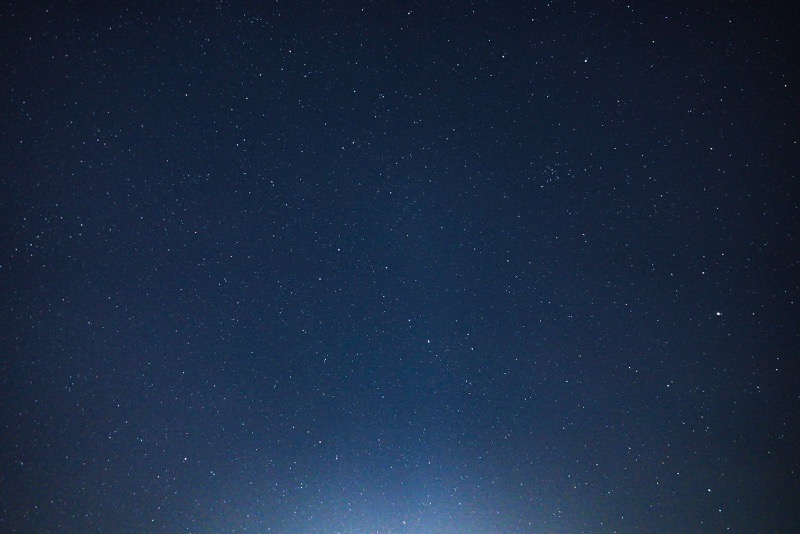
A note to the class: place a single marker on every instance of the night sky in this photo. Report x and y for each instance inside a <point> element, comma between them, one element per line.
<point>423,267</point>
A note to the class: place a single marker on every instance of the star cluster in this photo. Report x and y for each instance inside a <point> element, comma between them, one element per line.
<point>469,267</point>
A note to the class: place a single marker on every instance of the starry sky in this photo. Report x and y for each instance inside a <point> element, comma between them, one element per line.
<point>408,267</point>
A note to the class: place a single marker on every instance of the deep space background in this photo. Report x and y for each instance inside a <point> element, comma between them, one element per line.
<point>424,267</point>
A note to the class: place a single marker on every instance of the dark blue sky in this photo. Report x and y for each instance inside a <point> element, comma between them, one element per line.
<point>471,267</point>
